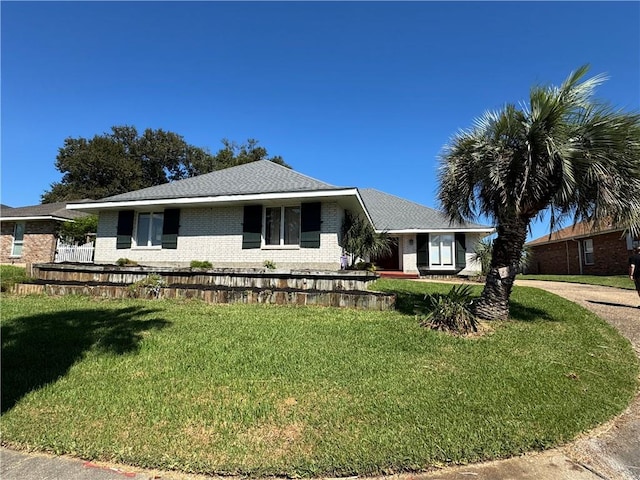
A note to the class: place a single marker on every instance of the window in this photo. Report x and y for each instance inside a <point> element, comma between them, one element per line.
<point>587,248</point>
<point>282,226</point>
<point>297,225</point>
<point>441,251</point>
<point>18,239</point>
<point>149,229</point>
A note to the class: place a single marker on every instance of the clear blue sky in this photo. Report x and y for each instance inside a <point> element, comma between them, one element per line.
<point>356,94</point>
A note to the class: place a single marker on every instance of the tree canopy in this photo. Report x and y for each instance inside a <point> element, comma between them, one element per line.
<point>124,160</point>
<point>564,153</point>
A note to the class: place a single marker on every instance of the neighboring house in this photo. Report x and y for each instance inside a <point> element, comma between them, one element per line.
<point>582,250</point>
<point>29,234</point>
<point>245,215</point>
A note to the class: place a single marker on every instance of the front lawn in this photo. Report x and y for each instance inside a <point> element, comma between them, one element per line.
<point>268,390</point>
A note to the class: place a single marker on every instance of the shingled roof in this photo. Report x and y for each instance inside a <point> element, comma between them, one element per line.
<point>579,230</point>
<point>258,177</point>
<point>392,213</point>
<point>45,211</point>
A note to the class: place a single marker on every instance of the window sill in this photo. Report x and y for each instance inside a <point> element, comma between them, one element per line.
<point>281,247</point>
<point>146,248</point>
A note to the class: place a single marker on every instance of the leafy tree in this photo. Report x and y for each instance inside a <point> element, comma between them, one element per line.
<point>564,153</point>
<point>360,239</point>
<point>78,230</point>
<point>123,160</point>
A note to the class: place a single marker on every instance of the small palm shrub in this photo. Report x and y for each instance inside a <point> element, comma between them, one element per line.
<point>450,312</point>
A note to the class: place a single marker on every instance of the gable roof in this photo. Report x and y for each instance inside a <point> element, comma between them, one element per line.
<point>262,176</point>
<point>45,211</point>
<point>394,214</point>
<point>579,230</point>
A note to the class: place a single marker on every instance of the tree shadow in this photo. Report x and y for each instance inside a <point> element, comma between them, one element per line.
<point>39,349</point>
<point>522,313</point>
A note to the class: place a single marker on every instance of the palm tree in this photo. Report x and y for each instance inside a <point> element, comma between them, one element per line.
<point>361,240</point>
<point>563,153</point>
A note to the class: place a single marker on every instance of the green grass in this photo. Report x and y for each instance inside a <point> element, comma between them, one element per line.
<point>618,281</point>
<point>268,390</point>
<point>10,275</point>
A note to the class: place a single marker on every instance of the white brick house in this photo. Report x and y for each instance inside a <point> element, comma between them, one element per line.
<point>245,215</point>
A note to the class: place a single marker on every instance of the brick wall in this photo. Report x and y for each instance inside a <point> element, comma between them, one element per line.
<point>610,256</point>
<point>215,234</point>
<point>39,242</point>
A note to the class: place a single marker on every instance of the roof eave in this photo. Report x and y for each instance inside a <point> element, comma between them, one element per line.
<point>219,199</point>
<point>35,217</point>
<point>438,230</point>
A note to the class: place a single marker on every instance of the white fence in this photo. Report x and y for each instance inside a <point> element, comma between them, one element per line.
<point>74,253</point>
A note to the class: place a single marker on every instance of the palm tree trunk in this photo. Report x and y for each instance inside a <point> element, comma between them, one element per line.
<point>493,304</point>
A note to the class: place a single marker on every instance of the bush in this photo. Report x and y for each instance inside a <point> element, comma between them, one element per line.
<point>451,312</point>
<point>149,286</point>
<point>201,264</point>
<point>269,264</point>
<point>370,267</point>
<point>123,262</point>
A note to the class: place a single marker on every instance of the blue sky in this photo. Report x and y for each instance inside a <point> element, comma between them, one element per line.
<point>353,93</point>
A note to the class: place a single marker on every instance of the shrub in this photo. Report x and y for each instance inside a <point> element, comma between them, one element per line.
<point>365,266</point>
<point>450,312</point>
<point>269,264</point>
<point>201,264</point>
<point>149,286</point>
<point>122,262</point>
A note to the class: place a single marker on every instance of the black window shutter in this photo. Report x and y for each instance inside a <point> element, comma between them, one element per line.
<point>310,221</point>
<point>461,250</point>
<point>422,249</point>
<point>252,226</point>
<point>125,229</point>
<point>170,227</point>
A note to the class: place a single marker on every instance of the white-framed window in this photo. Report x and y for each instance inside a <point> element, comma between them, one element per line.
<point>441,252</point>
<point>282,225</point>
<point>18,239</point>
<point>149,229</point>
<point>587,249</point>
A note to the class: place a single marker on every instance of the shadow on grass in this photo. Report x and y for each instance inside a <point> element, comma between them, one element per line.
<point>39,349</point>
<point>522,313</point>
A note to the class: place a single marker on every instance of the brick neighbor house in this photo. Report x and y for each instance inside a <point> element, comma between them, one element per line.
<point>29,234</point>
<point>242,216</point>
<point>582,250</point>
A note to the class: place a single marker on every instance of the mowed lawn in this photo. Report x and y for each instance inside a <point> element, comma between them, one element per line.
<point>269,390</point>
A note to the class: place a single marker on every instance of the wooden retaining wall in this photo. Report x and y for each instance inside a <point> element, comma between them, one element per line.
<point>336,289</point>
<point>224,277</point>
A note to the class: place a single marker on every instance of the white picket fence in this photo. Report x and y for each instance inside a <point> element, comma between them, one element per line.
<point>74,253</point>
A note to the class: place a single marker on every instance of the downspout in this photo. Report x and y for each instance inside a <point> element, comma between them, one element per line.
<point>566,244</point>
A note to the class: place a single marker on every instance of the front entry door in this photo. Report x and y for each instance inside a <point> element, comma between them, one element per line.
<point>391,261</point>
